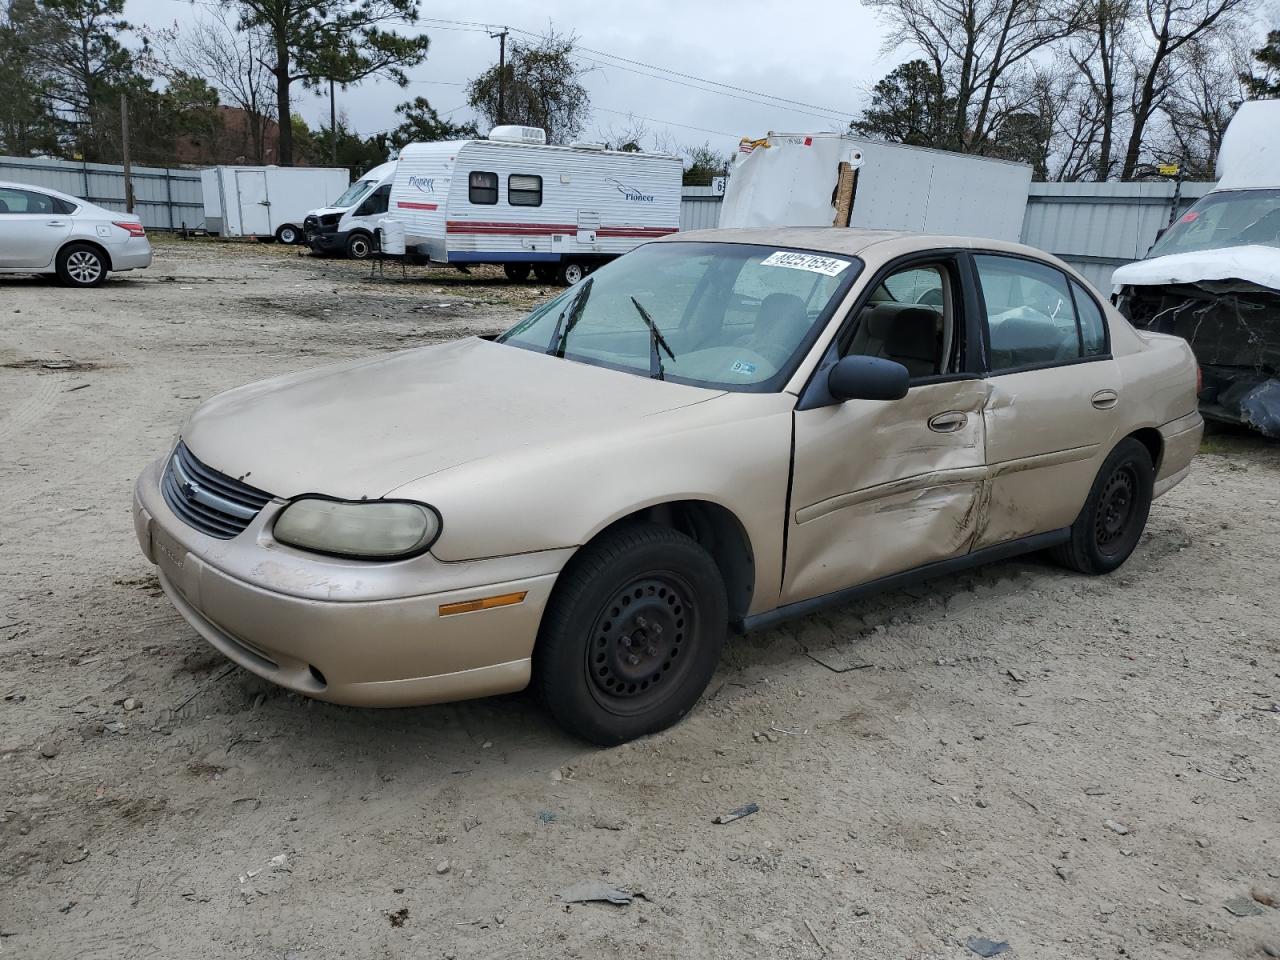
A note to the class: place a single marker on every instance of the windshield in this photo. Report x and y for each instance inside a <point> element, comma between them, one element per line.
<point>1231,218</point>
<point>354,193</point>
<point>725,315</point>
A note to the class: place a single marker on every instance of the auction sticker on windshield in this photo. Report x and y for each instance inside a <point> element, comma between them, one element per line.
<point>828,266</point>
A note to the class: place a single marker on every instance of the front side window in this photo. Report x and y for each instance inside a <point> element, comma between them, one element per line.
<point>377,202</point>
<point>482,187</point>
<point>1031,317</point>
<point>910,319</point>
<point>1231,218</point>
<point>524,190</point>
<point>725,315</point>
<point>26,201</point>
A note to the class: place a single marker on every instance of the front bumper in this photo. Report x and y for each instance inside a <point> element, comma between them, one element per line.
<point>272,610</point>
<point>334,242</point>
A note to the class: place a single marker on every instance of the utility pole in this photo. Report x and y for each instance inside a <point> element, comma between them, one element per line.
<point>501,37</point>
<point>124,149</point>
<point>333,127</point>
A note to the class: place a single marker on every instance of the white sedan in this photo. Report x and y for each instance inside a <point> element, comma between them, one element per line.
<point>47,232</point>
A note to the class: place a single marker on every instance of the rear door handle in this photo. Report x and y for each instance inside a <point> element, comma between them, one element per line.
<point>55,223</point>
<point>1105,399</point>
<point>948,422</point>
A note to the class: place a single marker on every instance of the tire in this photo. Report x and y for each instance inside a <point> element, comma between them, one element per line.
<point>1111,523</point>
<point>359,246</point>
<point>289,234</point>
<point>516,272</point>
<point>570,273</point>
<point>82,265</point>
<point>545,272</point>
<point>642,584</point>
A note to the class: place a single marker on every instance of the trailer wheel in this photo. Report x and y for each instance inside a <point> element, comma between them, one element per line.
<point>516,272</point>
<point>571,273</point>
<point>545,272</point>
<point>359,246</point>
<point>289,234</point>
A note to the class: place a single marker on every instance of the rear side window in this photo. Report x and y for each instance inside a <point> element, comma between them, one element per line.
<point>524,190</point>
<point>1031,317</point>
<point>1093,326</point>
<point>482,187</point>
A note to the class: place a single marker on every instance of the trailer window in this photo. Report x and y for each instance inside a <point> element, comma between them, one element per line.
<point>482,187</point>
<point>524,190</point>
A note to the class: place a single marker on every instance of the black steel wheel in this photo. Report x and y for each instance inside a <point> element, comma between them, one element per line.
<point>1115,514</point>
<point>632,634</point>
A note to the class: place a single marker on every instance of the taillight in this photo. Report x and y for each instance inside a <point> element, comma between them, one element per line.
<point>133,229</point>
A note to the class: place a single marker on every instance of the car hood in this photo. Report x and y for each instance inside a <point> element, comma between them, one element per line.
<point>1253,263</point>
<point>324,211</point>
<point>362,429</point>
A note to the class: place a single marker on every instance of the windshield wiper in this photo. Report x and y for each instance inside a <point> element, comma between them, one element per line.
<point>573,311</point>
<point>656,340</point>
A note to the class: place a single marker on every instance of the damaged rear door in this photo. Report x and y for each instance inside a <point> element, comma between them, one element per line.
<point>1056,396</point>
<point>879,487</point>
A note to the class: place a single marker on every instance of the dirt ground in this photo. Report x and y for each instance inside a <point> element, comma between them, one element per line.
<point>956,780</point>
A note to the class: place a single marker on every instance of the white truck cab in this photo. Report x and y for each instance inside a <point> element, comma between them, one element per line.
<point>347,225</point>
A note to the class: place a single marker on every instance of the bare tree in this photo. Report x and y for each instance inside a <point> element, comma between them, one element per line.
<point>629,136</point>
<point>231,60</point>
<point>1175,27</point>
<point>1199,106</point>
<point>976,47</point>
<point>1098,106</point>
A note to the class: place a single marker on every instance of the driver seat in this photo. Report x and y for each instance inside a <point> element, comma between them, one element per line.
<point>781,322</point>
<point>913,341</point>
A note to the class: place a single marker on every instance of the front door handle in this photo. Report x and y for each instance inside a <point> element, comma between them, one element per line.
<point>55,223</point>
<point>948,422</point>
<point>1105,399</point>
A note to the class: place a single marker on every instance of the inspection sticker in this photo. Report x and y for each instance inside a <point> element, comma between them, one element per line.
<point>827,266</point>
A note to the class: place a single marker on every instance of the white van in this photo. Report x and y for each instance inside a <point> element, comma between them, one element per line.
<point>346,226</point>
<point>558,211</point>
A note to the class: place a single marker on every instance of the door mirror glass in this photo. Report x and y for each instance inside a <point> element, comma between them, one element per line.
<point>867,378</point>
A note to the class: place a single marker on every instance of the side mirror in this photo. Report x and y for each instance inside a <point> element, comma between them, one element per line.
<point>868,378</point>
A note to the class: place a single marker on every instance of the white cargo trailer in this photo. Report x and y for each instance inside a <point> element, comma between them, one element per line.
<point>828,179</point>
<point>513,200</point>
<point>269,203</point>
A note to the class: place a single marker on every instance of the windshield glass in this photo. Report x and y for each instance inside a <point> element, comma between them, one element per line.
<point>733,316</point>
<point>1231,218</point>
<point>354,193</point>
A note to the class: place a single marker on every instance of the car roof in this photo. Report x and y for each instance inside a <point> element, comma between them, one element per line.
<point>38,188</point>
<point>870,245</point>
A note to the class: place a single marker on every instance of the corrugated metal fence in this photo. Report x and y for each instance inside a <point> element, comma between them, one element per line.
<point>1097,227</point>
<point>165,198</point>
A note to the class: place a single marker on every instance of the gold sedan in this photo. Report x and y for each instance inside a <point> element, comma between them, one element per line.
<point>715,432</point>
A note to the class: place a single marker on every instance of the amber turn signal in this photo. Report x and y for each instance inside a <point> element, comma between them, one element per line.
<point>487,603</point>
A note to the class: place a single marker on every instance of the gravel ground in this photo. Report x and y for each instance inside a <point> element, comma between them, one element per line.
<point>1080,767</point>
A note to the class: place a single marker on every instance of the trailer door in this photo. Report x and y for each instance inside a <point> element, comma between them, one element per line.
<point>255,207</point>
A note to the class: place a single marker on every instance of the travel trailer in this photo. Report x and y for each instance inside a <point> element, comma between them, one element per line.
<point>514,200</point>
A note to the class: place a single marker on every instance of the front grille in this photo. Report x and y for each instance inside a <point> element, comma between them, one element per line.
<point>210,501</point>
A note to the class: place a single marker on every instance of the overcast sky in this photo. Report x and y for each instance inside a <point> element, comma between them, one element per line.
<point>822,53</point>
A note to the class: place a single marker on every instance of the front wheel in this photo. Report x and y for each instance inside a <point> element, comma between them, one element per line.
<point>80,265</point>
<point>289,234</point>
<point>359,246</point>
<point>1111,523</point>
<point>632,634</point>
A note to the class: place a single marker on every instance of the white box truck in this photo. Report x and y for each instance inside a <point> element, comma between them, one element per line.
<point>347,225</point>
<point>269,203</point>
<point>830,179</point>
<point>514,200</point>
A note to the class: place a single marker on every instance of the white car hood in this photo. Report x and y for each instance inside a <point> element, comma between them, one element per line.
<point>1253,263</point>
<point>323,211</point>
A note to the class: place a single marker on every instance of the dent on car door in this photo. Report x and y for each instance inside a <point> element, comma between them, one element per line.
<point>1055,395</point>
<point>885,486</point>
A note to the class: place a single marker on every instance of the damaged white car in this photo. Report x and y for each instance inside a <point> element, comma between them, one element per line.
<point>1214,277</point>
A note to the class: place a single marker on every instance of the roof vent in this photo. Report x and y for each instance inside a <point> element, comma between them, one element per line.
<point>586,145</point>
<point>512,133</point>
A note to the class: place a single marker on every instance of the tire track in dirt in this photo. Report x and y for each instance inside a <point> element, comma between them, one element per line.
<point>40,402</point>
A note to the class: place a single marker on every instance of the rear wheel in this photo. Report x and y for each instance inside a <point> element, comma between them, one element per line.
<point>80,265</point>
<point>359,246</point>
<point>632,634</point>
<point>1111,523</point>
<point>289,234</point>
<point>516,272</point>
<point>571,273</point>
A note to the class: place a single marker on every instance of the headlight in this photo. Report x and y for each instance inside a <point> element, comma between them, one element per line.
<point>367,529</point>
